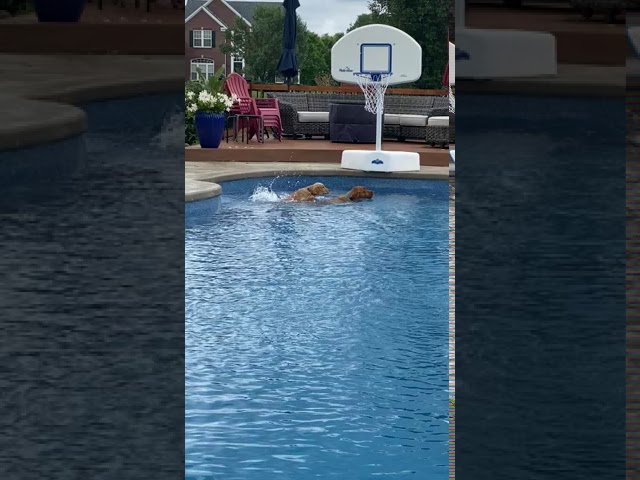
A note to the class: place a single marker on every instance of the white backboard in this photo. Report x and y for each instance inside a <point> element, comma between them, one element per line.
<point>375,49</point>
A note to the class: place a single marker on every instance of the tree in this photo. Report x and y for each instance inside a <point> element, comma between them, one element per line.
<point>427,21</point>
<point>236,39</point>
<point>328,41</point>
<point>261,45</point>
<point>314,61</point>
<point>368,19</point>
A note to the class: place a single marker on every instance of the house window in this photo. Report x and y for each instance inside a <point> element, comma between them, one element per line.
<point>205,65</point>
<point>202,39</point>
<point>237,65</point>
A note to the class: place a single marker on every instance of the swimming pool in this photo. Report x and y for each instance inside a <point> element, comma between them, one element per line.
<point>316,335</point>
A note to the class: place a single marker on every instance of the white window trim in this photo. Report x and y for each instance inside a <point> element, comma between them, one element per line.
<point>202,45</point>
<point>233,62</point>
<point>202,61</point>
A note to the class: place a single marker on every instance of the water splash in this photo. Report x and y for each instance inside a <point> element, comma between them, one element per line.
<point>171,133</point>
<point>264,194</point>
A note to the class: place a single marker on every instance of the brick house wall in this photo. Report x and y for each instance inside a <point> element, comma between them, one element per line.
<point>203,21</point>
<point>222,12</point>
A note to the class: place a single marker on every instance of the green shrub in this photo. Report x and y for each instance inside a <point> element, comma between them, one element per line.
<point>190,137</point>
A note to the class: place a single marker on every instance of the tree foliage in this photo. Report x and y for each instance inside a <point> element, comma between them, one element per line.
<point>427,21</point>
<point>368,19</point>
<point>315,61</point>
<point>261,45</point>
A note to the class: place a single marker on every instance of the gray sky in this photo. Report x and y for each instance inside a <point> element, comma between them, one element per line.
<point>330,16</point>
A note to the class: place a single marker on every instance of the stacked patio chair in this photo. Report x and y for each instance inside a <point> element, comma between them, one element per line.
<point>266,108</point>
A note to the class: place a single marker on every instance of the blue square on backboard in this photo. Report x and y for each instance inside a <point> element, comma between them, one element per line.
<point>375,58</point>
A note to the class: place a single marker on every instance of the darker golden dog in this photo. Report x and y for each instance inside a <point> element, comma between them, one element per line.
<point>354,195</point>
<point>307,194</point>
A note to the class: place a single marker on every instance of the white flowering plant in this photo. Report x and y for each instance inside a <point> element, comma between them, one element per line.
<point>205,101</point>
<point>213,100</point>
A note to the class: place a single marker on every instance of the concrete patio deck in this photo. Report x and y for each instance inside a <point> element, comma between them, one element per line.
<point>303,150</point>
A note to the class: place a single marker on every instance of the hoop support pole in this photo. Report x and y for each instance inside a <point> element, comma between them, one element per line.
<point>379,113</point>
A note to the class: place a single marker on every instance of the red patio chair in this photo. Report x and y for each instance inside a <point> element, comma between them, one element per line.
<point>267,108</point>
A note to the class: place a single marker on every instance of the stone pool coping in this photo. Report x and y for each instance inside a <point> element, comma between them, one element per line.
<point>201,178</point>
<point>39,92</point>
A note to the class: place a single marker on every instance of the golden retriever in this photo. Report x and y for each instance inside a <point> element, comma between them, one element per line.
<point>308,193</point>
<point>354,195</point>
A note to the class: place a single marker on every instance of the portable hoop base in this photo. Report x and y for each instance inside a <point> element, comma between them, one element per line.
<point>380,161</point>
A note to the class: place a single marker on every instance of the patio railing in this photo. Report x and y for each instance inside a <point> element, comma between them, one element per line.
<point>259,89</point>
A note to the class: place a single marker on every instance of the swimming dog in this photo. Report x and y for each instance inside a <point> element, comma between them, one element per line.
<point>308,193</point>
<point>354,195</point>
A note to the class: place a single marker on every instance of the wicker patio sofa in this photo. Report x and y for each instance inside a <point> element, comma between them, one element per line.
<point>406,117</point>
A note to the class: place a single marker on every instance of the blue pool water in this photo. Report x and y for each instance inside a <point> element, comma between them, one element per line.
<point>316,335</point>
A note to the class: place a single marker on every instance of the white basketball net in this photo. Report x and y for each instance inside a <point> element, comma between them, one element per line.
<point>373,86</point>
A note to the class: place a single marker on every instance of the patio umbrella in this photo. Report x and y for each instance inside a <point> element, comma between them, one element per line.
<point>288,64</point>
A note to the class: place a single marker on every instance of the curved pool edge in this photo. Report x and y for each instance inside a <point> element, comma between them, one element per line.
<point>51,112</point>
<point>207,186</point>
<point>196,190</point>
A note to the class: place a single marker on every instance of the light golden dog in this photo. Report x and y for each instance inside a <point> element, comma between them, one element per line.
<point>308,193</point>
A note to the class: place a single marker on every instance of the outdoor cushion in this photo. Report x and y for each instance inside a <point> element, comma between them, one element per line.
<point>438,122</point>
<point>391,119</point>
<point>313,117</point>
<point>413,120</point>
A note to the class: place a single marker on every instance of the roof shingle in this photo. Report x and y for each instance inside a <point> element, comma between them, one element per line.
<point>248,9</point>
<point>191,6</point>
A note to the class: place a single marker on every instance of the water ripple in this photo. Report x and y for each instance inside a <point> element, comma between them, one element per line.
<point>316,339</point>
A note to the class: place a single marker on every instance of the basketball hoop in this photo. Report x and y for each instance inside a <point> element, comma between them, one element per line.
<point>376,56</point>
<point>374,86</point>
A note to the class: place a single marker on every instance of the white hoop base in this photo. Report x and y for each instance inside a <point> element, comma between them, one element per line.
<point>380,161</point>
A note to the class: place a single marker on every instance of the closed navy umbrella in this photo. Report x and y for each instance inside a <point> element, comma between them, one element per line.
<point>288,64</point>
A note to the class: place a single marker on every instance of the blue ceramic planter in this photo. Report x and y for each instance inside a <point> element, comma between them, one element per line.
<point>209,128</point>
<point>59,10</point>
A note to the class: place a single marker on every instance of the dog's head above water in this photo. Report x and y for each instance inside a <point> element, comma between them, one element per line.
<point>359,193</point>
<point>318,189</point>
